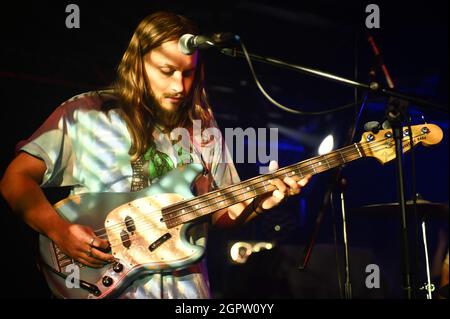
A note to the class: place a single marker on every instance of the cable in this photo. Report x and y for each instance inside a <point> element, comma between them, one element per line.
<point>285,108</point>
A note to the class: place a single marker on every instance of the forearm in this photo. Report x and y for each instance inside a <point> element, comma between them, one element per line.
<point>26,198</point>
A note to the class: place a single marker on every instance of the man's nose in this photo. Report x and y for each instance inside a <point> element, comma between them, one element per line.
<point>178,83</point>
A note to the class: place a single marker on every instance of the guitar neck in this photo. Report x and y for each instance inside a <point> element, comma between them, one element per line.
<point>186,211</point>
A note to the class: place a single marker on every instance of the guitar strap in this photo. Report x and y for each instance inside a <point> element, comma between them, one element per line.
<point>139,178</point>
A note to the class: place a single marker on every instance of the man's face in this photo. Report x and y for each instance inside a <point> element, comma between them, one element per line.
<point>170,75</point>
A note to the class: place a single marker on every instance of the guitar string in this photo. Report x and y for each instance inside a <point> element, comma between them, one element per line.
<point>267,177</point>
<point>224,191</point>
<point>120,242</point>
<point>298,164</point>
<point>330,160</point>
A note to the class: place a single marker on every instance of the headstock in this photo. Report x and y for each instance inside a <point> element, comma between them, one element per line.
<point>382,145</point>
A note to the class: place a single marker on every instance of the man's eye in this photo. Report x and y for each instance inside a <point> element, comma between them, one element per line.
<point>166,72</point>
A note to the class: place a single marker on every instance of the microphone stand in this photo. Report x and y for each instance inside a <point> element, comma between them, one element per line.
<point>373,87</point>
<point>395,115</point>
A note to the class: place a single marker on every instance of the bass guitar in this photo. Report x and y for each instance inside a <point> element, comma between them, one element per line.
<point>147,229</point>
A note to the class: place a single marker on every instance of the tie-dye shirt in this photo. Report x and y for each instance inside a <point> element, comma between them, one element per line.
<point>87,148</point>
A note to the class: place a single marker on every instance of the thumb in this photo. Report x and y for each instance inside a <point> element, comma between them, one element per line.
<point>273,166</point>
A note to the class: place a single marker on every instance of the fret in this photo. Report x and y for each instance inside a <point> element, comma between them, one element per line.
<point>314,169</point>
<point>343,159</point>
<point>357,148</point>
<point>233,199</point>
<point>194,211</point>
<point>326,160</point>
<point>320,167</point>
<point>202,211</point>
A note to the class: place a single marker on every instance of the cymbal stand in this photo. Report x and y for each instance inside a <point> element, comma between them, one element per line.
<point>429,287</point>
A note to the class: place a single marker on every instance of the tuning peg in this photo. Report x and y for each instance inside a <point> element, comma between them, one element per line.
<point>386,125</point>
<point>372,126</point>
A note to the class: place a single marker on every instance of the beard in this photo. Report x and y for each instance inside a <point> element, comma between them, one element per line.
<point>168,119</point>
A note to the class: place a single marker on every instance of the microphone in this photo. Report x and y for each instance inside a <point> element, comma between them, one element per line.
<point>188,43</point>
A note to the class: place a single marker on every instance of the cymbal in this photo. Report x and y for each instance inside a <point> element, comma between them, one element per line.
<point>425,209</point>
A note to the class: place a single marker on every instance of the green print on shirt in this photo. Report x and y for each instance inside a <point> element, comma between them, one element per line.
<point>160,163</point>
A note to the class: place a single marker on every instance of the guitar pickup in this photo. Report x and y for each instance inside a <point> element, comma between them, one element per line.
<point>126,241</point>
<point>159,241</point>
<point>129,223</point>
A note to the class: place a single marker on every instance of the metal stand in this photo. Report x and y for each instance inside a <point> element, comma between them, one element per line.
<point>395,111</point>
<point>348,285</point>
<point>373,87</point>
<point>428,286</point>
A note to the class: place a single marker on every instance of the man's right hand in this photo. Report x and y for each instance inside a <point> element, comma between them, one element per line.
<point>81,243</point>
<point>20,186</point>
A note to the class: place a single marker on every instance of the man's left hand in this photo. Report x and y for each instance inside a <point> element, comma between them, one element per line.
<point>286,187</point>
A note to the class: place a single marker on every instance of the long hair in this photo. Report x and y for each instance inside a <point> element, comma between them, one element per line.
<point>135,102</point>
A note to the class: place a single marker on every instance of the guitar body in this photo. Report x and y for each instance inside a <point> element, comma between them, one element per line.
<point>132,223</point>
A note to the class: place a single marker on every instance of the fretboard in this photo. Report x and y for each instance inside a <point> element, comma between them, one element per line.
<point>188,210</point>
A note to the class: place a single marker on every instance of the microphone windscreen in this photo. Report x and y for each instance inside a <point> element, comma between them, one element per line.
<point>184,44</point>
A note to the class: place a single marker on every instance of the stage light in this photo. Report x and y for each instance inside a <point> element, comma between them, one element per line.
<point>327,145</point>
<point>241,250</point>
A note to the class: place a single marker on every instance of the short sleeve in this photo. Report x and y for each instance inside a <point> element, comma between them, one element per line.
<point>52,144</point>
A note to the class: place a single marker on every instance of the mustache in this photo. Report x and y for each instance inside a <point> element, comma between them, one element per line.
<point>174,96</point>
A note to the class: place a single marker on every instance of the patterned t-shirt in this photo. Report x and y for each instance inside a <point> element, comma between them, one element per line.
<point>87,148</point>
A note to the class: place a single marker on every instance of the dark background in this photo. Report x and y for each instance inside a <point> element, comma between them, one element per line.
<point>43,63</point>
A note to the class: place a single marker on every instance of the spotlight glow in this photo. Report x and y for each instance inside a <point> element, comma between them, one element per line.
<point>327,145</point>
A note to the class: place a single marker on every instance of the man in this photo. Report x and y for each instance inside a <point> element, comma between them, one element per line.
<point>118,140</point>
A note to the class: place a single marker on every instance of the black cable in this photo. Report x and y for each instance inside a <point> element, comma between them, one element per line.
<point>285,108</point>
